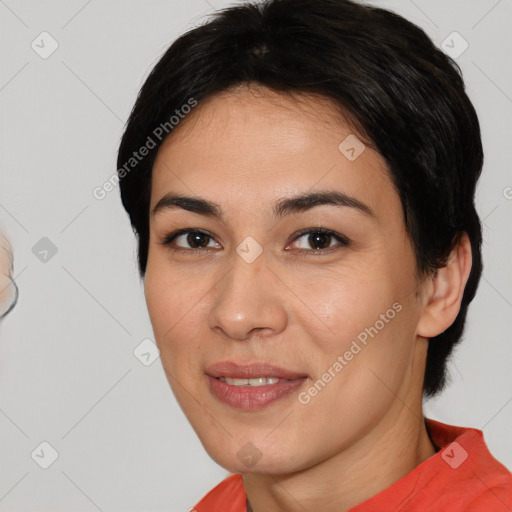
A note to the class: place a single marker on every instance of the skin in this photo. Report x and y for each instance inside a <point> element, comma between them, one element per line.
<point>245,149</point>
<point>7,287</point>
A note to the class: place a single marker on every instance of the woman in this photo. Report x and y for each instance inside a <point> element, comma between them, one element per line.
<point>300,175</point>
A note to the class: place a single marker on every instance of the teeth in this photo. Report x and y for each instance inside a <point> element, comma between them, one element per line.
<point>258,381</point>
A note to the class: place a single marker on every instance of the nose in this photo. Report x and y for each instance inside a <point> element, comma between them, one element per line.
<point>250,302</point>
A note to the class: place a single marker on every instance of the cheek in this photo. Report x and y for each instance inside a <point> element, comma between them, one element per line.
<point>173,303</point>
<point>173,309</point>
<point>367,317</point>
<point>340,306</point>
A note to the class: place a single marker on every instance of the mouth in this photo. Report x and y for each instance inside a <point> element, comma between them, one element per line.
<point>255,382</point>
<point>252,386</point>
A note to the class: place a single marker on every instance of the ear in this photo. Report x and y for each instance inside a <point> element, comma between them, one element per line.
<point>444,291</point>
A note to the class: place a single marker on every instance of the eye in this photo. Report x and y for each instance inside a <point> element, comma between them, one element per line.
<point>320,239</point>
<point>195,238</point>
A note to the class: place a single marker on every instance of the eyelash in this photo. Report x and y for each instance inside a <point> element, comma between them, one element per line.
<point>343,241</point>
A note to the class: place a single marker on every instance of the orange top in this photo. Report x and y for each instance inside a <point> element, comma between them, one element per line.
<point>462,476</point>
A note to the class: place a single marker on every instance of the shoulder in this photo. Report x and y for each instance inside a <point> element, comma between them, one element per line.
<point>228,496</point>
<point>470,474</point>
<point>491,484</point>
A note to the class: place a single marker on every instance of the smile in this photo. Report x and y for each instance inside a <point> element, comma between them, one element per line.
<point>258,381</point>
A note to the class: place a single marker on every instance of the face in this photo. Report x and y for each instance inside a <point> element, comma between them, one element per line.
<point>314,301</point>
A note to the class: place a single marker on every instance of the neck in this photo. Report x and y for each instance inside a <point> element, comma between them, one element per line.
<point>385,454</point>
<point>348,478</point>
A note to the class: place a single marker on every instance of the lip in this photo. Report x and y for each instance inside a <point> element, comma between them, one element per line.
<point>251,370</point>
<point>247,397</point>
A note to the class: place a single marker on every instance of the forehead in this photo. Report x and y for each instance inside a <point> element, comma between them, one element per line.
<point>269,145</point>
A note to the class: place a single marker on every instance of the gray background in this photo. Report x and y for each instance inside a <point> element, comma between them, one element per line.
<point>68,374</point>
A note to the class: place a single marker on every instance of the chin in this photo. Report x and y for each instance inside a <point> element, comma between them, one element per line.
<point>239,456</point>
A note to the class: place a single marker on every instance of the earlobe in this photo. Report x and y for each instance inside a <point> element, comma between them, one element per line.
<point>445,293</point>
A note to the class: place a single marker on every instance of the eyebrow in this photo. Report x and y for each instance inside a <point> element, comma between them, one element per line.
<point>282,207</point>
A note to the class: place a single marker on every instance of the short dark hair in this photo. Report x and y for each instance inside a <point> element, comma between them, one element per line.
<point>404,95</point>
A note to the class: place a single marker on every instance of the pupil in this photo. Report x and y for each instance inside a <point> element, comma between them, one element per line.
<point>198,238</point>
<point>318,238</point>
